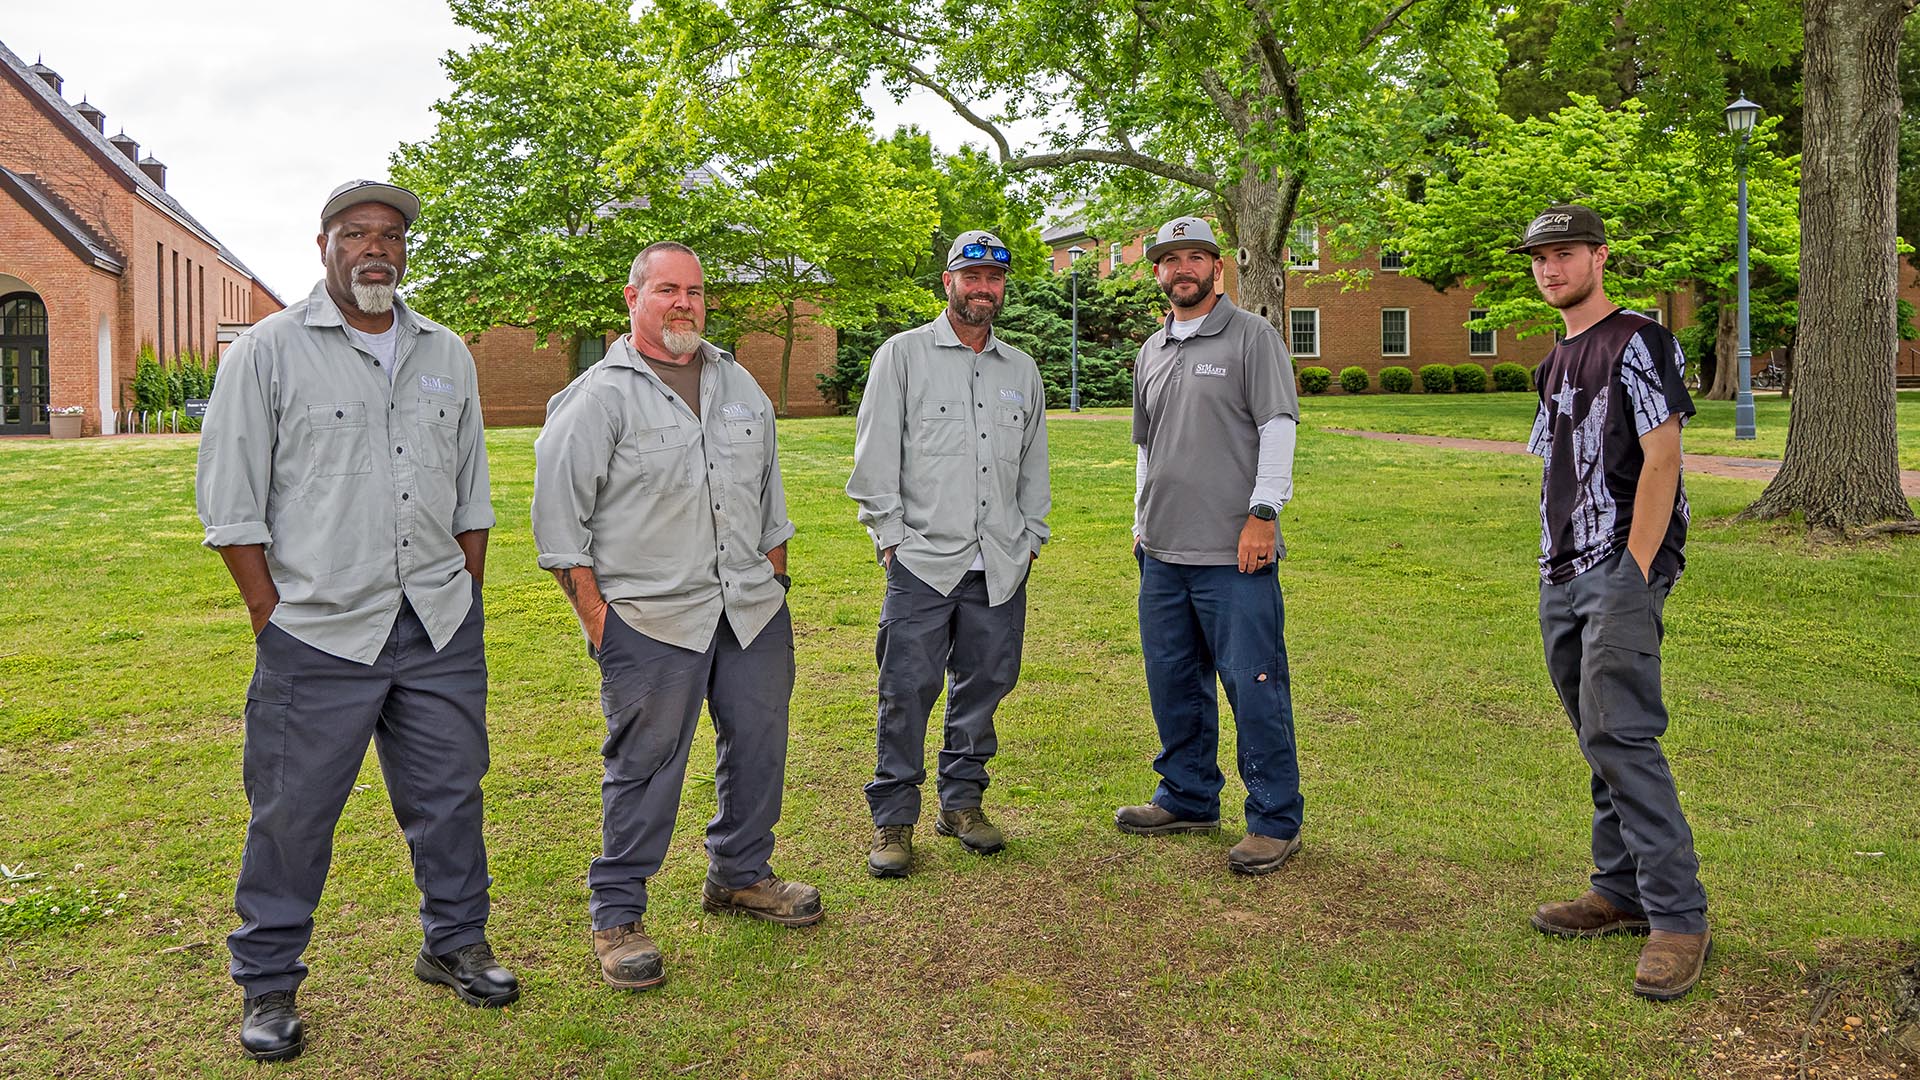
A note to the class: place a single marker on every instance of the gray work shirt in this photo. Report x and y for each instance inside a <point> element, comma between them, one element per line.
<point>1198,406</point>
<point>950,458</point>
<point>673,512</point>
<point>355,484</point>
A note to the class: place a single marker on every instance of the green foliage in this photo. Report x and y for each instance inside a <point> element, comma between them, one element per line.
<point>1436,378</point>
<point>151,389</point>
<point>1511,378</point>
<point>1354,379</point>
<point>30,907</point>
<point>1315,380</point>
<point>1469,379</point>
<point>165,388</point>
<point>1396,380</point>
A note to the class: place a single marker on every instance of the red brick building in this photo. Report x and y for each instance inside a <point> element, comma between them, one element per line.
<point>96,260</point>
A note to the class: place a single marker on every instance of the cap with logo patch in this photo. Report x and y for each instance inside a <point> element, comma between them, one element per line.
<point>354,192</point>
<point>1182,232</point>
<point>976,247</point>
<point>1567,223</point>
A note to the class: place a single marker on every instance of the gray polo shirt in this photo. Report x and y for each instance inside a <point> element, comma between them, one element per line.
<point>356,484</point>
<point>1198,405</point>
<point>950,458</point>
<point>674,513</point>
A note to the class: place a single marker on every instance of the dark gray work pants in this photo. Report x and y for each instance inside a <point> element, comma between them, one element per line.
<point>651,693</point>
<point>925,637</point>
<point>309,717</point>
<point>1602,632</point>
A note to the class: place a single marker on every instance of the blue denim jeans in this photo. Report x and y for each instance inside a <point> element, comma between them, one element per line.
<point>1196,623</point>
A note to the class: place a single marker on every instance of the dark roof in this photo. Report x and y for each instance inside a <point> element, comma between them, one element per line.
<point>50,210</point>
<point>111,157</point>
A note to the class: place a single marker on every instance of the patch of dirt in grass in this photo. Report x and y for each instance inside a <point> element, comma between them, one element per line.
<point>1853,1013</point>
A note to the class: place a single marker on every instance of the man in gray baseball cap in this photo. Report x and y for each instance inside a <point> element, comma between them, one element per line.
<point>950,471</point>
<point>355,192</point>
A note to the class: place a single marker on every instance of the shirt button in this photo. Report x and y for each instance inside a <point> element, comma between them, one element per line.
<point>983,468</point>
<point>723,547</point>
<point>404,496</point>
<point>443,412</point>
<point>402,449</point>
<point>403,543</point>
<point>983,434</point>
<point>337,414</point>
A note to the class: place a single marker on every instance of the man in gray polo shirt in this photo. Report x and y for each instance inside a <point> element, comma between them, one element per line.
<point>343,480</point>
<point>950,471</point>
<point>1214,412</point>
<point>657,504</point>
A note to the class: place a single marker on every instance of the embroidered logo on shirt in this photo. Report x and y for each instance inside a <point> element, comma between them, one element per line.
<point>737,410</point>
<point>1011,396</point>
<point>1214,370</point>
<point>436,384</point>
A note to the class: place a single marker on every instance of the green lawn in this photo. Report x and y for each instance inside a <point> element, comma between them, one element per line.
<point>1445,798</point>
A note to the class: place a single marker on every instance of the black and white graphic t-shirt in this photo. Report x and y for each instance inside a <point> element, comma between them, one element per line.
<point>1600,391</point>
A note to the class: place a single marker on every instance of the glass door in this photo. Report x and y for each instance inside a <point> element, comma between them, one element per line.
<point>25,382</point>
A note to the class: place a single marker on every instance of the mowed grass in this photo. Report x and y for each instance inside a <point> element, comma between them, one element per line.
<point>1445,799</point>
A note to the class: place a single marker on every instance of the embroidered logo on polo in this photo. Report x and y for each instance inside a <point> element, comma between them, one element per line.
<point>1011,396</point>
<point>737,410</point>
<point>436,384</point>
<point>1214,370</point>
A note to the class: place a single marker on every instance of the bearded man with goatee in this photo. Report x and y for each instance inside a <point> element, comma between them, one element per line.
<point>950,473</point>
<point>1214,413</point>
<point>343,480</point>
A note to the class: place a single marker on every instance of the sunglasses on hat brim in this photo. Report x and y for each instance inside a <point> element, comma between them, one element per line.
<point>982,251</point>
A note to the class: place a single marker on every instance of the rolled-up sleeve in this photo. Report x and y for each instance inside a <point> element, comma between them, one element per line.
<point>875,483</point>
<point>775,527</point>
<point>235,469</point>
<point>570,462</point>
<point>473,494</point>
<point>1035,494</point>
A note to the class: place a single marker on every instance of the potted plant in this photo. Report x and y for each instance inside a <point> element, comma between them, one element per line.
<point>64,421</point>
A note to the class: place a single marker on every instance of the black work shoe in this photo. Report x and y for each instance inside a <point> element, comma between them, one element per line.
<point>270,1027</point>
<point>892,853</point>
<point>1152,820</point>
<point>971,826</point>
<point>473,973</point>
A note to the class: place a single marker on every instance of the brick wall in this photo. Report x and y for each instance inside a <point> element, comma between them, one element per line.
<point>814,346</point>
<point>516,377</point>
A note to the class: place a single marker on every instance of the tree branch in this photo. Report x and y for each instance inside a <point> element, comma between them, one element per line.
<point>920,78</point>
<point>1385,24</point>
<point>1131,159</point>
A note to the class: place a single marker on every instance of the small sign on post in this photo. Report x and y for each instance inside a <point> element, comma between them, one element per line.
<point>197,408</point>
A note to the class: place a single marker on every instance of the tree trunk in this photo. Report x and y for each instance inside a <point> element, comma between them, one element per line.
<point>1842,467</point>
<point>786,356</point>
<point>1726,352</point>
<point>1257,214</point>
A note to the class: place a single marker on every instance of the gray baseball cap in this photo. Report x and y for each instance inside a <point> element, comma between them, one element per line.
<point>355,192</point>
<point>977,247</point>
<point>1182,232</point>
<point>1567,223</point>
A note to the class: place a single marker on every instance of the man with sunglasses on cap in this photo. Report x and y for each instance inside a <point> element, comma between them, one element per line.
<point>1613,517</point>
<point>343,480</point>
<point>950,472</point>
<point>1214,412</point>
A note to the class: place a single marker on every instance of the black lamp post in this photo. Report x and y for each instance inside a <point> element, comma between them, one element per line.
<point>1073,280</point>
<point>1740,117</point>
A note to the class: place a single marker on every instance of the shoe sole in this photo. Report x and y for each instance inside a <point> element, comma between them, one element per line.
<point>885,871</point>
<point>636,985</point>
<point>718,907</point>
<point>942,828</point>
<point>1671,993</point>
<point>1268,867</point>
<point>1639,927</point>
<point>431,974</point>
<point>1169,828</point>
<point>277,1055</point>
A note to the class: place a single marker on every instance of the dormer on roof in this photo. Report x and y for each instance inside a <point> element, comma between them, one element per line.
<point>50,76</point>
<point>92,114</point>
<point>155,171</point>
<point>125,144</point>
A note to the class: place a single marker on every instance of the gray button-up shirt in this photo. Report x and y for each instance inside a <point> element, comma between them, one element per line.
<point>357,485</point>
<point>950,458</point>
<point>674,513</point>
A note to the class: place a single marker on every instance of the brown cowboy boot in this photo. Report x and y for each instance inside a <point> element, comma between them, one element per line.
<point>629,960</point>
<point>1671,963</point>
<point>1587,915</point>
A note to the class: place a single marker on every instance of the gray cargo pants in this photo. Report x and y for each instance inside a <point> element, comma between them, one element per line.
<point>651,693</point>
<point>923,637</point>
<point>308,719</point>
<point>1602,632</point>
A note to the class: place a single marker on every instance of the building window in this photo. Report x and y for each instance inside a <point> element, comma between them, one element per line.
<point>203,307</point>
<point>1303,246</point>
<point>190,305</point>
<point>1303,325</point>
<point>1392,260</point>
<point>1652,313</point>
<point>1114,251</point>
<point>1480,342</point>
<point>176,304</point>
<point>160,297</point>
<point>1393,331</point>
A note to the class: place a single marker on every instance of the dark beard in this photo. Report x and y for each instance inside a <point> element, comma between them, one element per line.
<point>963,311</point>
<point>1201,292</point>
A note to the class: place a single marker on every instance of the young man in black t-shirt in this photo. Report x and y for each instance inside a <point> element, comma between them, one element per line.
<point>1613,524</point>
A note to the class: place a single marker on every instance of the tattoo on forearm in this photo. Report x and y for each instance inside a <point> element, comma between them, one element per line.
<point>565,577</point>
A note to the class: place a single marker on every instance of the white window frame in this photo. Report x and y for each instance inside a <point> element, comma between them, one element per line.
<point>1291,351</point>
<point>1652,313</point>
<point>1493,336</point>
<point>1399,259</point>
<point>1406,331</point>
<point>1113,255</point>
<point>1294,261</point>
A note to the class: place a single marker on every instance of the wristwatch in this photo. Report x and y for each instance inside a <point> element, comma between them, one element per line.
<point>1262,511</point>
<point>785,581</point>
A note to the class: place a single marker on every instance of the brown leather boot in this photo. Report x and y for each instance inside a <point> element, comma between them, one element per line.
<point>629,960</point>
<point>1587,915</point>
<point>1257,854</point>
<point>1671,963</point>
<point>789,903</point>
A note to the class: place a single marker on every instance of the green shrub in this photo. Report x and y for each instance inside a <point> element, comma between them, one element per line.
<point>1511,378</point>
<point>1436,378</point>
<point>1396,380</point>
<point>1354,380</point>
<point>1315,380</point>
<point>1469,379</point>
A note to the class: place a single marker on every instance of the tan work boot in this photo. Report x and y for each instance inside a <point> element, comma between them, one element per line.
<point>970,825</point>
<point>1258,854</point>
<point>1671,963</point>
<point>1587,915</point>
<point>892,852</point>
<point>629,960</point>
<point>1152,820</point>
<point>788,903</point>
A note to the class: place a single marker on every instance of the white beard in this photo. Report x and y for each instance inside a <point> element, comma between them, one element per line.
<point>678,342</point>
<point>373,299</point>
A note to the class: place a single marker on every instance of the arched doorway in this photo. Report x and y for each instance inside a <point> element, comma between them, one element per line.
<point>25,380</point>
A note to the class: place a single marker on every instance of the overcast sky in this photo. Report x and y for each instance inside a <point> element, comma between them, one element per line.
<point>258,110</point>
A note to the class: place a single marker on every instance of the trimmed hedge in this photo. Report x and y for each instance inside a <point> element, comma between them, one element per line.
<point>1436,378</point>
<point>1511,378</point>
<point>1315,380</point>
<point>1355,380</point>
<point>1469,379</point>
<point>1396,380</point>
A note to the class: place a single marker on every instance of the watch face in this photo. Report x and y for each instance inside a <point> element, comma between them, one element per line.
<point>1265,513</point>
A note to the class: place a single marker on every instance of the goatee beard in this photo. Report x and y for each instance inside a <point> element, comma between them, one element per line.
<point>373,299</point>
<point>680,342</point>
